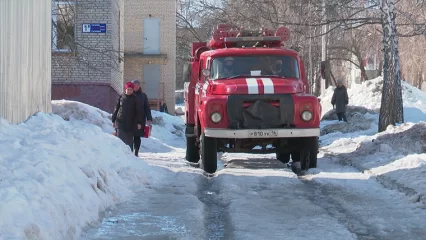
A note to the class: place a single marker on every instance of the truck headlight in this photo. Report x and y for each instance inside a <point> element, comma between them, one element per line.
<point>216,117</point>
<point>306,116</point>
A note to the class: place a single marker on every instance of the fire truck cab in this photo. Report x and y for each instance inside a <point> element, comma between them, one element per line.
<point>246,92</point>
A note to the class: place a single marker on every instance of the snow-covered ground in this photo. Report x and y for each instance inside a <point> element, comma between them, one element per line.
<point>59,176</point>
<point>395,157</point>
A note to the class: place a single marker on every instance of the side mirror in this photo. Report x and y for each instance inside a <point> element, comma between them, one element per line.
<point>206,72</point>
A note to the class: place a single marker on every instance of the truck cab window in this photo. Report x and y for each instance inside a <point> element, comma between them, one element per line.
<point>282,66</point>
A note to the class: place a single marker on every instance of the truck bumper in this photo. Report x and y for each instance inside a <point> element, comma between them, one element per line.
<point>262,133</point>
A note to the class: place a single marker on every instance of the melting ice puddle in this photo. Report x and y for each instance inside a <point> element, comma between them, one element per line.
<point>138,225</point>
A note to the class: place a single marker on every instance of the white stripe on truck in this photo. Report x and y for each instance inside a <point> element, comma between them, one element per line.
<point>268,86</point>
<point>253,87</point>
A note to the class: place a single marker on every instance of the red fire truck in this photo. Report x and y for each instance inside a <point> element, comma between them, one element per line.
<point>246,92</point>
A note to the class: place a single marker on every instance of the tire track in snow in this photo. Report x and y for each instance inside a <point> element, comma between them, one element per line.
<point>320,194</point>
<point>217,219</point>
<point>385,181</point>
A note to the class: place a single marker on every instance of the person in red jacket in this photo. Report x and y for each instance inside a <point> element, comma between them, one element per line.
<point>127,117</point>
<point>146,115</point>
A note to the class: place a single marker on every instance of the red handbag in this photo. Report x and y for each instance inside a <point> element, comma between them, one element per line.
<point>147,131</point>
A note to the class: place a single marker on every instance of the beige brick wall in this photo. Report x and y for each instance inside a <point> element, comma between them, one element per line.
<point>135,12</point>
<point>96,59</point>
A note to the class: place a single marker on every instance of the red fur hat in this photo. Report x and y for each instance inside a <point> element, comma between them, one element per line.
<point>129,85</point>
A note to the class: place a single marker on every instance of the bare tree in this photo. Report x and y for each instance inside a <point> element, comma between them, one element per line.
<point>353,26</point>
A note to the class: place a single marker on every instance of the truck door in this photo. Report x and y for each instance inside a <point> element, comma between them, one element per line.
<point>198,88</point>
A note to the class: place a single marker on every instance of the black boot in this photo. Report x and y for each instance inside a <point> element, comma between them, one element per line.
<point>137,152</point>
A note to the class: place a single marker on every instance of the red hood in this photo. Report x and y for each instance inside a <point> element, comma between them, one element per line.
<point>256,86</point>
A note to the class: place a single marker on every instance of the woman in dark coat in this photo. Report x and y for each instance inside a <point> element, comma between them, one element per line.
<point>146,111</point>
<point>340,99</point>
<point>127,117</point>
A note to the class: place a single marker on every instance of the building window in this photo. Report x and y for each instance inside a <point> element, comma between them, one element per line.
<point>63,25</point>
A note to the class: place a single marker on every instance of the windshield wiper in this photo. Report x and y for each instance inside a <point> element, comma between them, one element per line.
<point>237,76</point>
<point>273,76</point>
<point>250,76</point>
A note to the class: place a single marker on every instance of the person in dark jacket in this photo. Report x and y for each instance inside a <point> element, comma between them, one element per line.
<point>146,112</point>
<point>127,117</point>
<point>340,99</point>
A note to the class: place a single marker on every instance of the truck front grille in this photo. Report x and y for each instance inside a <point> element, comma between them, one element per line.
<point>260,111</point>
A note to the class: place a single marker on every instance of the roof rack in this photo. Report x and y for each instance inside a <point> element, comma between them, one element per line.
<point>224,37</point>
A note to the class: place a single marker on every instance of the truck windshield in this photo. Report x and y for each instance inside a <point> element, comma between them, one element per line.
<point>258,65</point>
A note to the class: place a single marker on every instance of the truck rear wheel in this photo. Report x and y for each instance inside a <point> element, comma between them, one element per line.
<point>208,154</point>
<point>283,156</point>
<point>192,150</point>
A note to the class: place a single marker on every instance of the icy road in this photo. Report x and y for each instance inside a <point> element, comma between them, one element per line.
<point>257,197</point>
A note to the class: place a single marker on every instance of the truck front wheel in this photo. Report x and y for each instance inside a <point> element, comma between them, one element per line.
<point>307,155</point>
<point>309,146</point>
<point>208,154</point>
<point>313,151</point>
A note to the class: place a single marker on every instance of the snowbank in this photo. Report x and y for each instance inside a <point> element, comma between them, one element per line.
<point>168,131</point>
<point>396,157</point>
<point>56,175</point>
<point>369,94</point>
<point>71,110</point>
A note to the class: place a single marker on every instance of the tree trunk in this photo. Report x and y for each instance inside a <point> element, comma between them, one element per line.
<point>317,83</point>
<point>358,55</point>
<point>391,109</point>
<point>380,70</point>
<point>419,79</point>
<point>364,76</point>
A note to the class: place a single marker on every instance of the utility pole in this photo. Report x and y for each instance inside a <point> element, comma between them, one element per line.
<point>311,72</point>
<point>311,67</point>
<point>324,83</point>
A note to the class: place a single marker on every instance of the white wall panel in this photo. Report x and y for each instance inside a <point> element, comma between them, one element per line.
<point>25,58</point>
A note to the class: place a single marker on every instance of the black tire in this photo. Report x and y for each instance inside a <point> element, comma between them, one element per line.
<point>313,152</point>
<point>192,150</point>
<point>283,156</point>
<point>208,152</point>
<point>309,152</point>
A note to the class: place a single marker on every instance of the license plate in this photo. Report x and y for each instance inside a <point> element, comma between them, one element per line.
<point>262,133</point>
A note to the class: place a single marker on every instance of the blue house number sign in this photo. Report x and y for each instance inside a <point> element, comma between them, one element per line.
<point>94,28</point>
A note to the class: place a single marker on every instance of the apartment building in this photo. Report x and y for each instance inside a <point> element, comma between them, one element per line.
<point>87,51</point>
<point>150,48</point>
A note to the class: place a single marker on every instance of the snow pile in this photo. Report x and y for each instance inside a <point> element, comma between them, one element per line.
<point>364,106</point>
<point>71,110</point>
<point>369,94</point>
<point>167,132</point>
<point>397,156</point>
<point>351,111</point>
<point>56,175</point>
<point>357,122</point>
